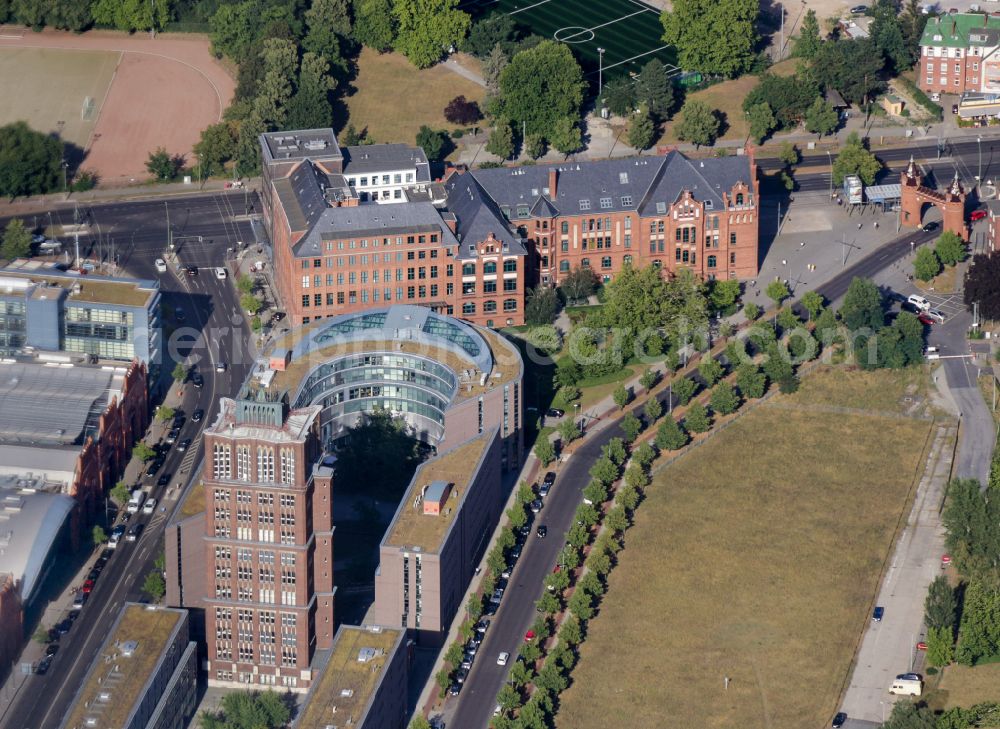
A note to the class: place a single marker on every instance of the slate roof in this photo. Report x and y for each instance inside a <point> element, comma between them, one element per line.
<point>373,220</point>
<point>615,185</point>
<point>301,196</point>
<point>478,216</point>
<point>956,30</point>
<point>386,158</point>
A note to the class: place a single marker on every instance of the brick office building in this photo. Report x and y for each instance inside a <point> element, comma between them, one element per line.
<point>258,560</point>
<point>473,245</point>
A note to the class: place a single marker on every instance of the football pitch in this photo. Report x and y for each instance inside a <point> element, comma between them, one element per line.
<point>628,31</point>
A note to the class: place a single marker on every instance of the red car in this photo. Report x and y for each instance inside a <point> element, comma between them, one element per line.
<point>529,636</point>
<point>87,587</point>
<point>924,319</point>
<point>977,215</point>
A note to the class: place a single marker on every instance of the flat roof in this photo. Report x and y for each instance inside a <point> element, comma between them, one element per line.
<point>123,678</point>
<point>299,144</point>
<point>92,288</point>
<point>194,501</point>
<point>413,528</point>
<point>359,160</point>
<point>347,685</point>
<point>54,404</point>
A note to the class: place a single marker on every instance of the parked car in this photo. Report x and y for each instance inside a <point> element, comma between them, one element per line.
<point>161,265</point>
<point>515,553</point>
<point>149,507</point>
<point>88,587</point>
<point>918,301</point>
<point>93,574</point>
<point>220,273</point>
<point>503,658</point>
<point>220,367</point>
<point>536,506</point>
<point>43,666</point>
<point>924,319</point>
<point>529,636</point>
<point>51,649</point>
<point>839,720</point>
<point>549,480</point>
<point>191,270</point>
<point>471,647</point>
<point>859,10</point>
<point>936,314</point>
<point>80,600</point>
<point>909,677</point>
<point>977,215</point>
<point>543,490</point>
<point>454,689</point>
<point>197,415</point>
<point>554,413</point>
<point>63,626</point>
<point>163,480</point>
<point>542,531</point>
<point>183,445</point>
<point>482,626</point>
<point>153,467</point>
<point>497,595</point>
<point>461,674</point>
<point>878,613</point>
<point>134,533</point>
<point>197,381</point>
<point>930,226</point>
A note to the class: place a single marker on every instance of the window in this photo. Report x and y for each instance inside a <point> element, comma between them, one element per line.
<point>305,301</point>
<point>490,287</point>
<point>510,266</point>
<point>510,284</point>
<point>469,287</point>
<point>623,178</point>
<point>523,211</point>
<point>243,463</point>
<point>287,466</point>
<point>585,205</point>
<point>563,266</point>
<point>489,307</point>
<point>732,239</point>
<point>564,246</point>
<point>468,308</point>
<point>606,262</point>
<point>468,269</point>
<point>510,304</point>
<point>711,261</point>
<point>732,259</point>
<point>564,227</point>
<point>628,240</point>
<point>265,464</point>
<point>221,466</point>
<point>626,202</point>
<point>584,263</point>
<point>661,208</point>
<point>490,267</point>
<point>627,260</point>
<point>605,203</point>
<point>739,198</point>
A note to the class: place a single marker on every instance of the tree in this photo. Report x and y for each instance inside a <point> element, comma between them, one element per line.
<point>649,378</point>
<point>653,409</point>
<point>544,451</point>
<point>982,285</point>
<point>619,96</point>
<point>683,389</point>
<point>862,307</point>
<point>165,413</point>
<point>854,159</point>
<point>566,136</point>
<point>252,710</point>
<point>30,162</point>
<point>120,493</point>
<point>852,67</point>
<point>535,146</point>
<point>605,471</point>
<point>751,381</point>
<point>131,15</point>
<point>940,606</point>
<point>654,89</point>
<point>644,455</point>
<point>250,303</point>
<point>162,165</point>
<point>950,248</point>
<point>789,154</point>
<point>597,491</point>
<point>501,141</point>
<point>622,396</point>
<point>310,107</point>
<point>693,27</point>
<point>631,426</point>
<point>374,24</point>
<point>581,605</point>
<point>492,66</point>
<point>328,22</point>
<point>812,301</point>
<point>520,674</point>
<point>497,29</point>
<point>540,87</point>
<point>788,96</point>
<point>808,42</point>
<point>154,585</point>
<point>216,147</point>
<point>698,124</point>
<point>434,142</point>
<point>762,121</point>
<point>428,28</point>
<point>98,536</point>
<point>420,722</point>
<point>926,265</point>
<point>697,419</point>
<point>724,399</point>
<point>752,310</point>
<point>912,22</point>
<point>821,118</point>
<point>710,370</point>
<point>508,698</point>
<point>979,634</point>
<point>908,715</point>
<point>887,34</point>
<point>143,452</point>
<point>568,431</point>
<point>462,111</point>
<point>940,646</point>
<point>579,284</point>
<point>641,131</point>
<point>16,241</point>
<point>777,291</point>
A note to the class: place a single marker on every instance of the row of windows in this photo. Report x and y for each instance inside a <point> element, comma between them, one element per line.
<point>489,307</point>
<point>397,179</point>
<point>222,465</point>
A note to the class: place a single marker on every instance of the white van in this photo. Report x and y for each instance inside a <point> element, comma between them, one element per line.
<point>919,301</point>
<point>906,687</point>
<point>135,501</point>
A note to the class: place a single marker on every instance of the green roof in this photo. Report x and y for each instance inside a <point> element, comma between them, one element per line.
<point>955,30</point>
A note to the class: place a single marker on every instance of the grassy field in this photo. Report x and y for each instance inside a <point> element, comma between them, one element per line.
<point>845,387</point>
<point>963,686</point>
<point>755,557</point>
<point>393,98</point>
<point>46,87</point>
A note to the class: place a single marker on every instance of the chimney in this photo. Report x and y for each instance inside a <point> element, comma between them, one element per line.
<point>553,178</point>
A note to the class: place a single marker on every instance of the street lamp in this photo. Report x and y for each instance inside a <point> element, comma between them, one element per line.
<point>830,158</point>
<point>65,164</point>
<point>600,71</point>
<point>979,145</point>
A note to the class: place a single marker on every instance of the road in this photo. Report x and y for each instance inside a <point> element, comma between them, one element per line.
<point>210,333</point>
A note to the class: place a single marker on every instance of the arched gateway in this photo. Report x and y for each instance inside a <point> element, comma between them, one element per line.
<point>915,195</point>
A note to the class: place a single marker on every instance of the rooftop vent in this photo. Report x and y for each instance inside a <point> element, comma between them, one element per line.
<point>129,647</point>
<point>365,655</point>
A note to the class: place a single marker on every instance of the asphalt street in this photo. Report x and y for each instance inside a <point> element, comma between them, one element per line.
<point>211,331</point>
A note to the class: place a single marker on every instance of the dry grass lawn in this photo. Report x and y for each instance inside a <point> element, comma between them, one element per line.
<point>964,686</point>
<point>945,282</point>
<point>393,98</point>
<point>757,557</point>
<point>845,387</point>
<point>727,97</point>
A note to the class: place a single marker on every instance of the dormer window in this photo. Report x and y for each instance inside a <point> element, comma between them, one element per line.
<point>605,203</point>
<point>739,198</point>
<point>623,178</point>
<point>709,205</point>
<point>661,208</point>
<point>585,205</point>
<point>523,211</point>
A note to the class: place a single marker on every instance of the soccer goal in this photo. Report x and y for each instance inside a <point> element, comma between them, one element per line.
<point>87,112</point>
